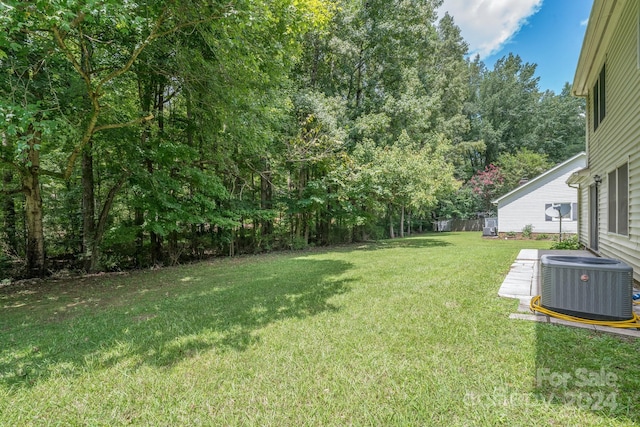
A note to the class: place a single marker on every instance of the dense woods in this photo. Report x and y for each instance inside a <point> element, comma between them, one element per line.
<point>153,132</point>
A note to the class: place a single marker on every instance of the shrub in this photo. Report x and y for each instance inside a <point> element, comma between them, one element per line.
<point>570,242</point>
<point>5,266</point>
<point>298,243</point>
<point>527,231</point>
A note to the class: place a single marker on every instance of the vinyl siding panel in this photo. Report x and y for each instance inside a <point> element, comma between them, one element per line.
<point>617,139</point>
<point>527,205</point>
<point>583,214</point>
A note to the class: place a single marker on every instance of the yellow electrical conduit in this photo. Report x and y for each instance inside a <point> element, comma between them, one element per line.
<point>634,322</point>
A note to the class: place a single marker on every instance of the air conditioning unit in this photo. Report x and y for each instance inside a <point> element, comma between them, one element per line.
<point>489,231</point>
<point>491,222</point>
<point>590,288</point>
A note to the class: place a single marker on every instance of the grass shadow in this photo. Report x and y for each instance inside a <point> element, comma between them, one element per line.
<point>422,241</point>
<point>157,317</point>
<point>588,370</point>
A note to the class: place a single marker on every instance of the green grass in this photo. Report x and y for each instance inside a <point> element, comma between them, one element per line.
<point>404,332</point>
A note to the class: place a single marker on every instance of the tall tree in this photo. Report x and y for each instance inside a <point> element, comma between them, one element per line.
<point>524,164</point>
<point>559,128</point>
<point>506,107</point>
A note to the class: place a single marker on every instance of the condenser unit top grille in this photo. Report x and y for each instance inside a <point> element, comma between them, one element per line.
<point>583,261</point>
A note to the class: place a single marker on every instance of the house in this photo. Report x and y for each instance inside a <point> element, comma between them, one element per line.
<point>608,76</point>
<point>536,202</point>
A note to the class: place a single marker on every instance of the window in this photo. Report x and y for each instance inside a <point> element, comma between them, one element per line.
<point>599,104</point>
<point>569,211</point>
<point>618,194</point>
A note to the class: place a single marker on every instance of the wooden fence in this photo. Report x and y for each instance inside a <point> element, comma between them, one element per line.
<point>459,225</point>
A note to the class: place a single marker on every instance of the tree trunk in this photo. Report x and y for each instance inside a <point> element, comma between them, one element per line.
<point>174,250</point>
<point>402,221</point>
<point>138,221</point>
<point>9,208</point>
<point>100,226</point>
<point>156,248</point>
<point>359,87</point>
<point>325,221</point>
<point>391,232</point>
<point>306,221</point>
<point>88,210</point>
<point>156,239</point>
<point>33,211</point>
<point>266,196</point>
<point>234,241</point>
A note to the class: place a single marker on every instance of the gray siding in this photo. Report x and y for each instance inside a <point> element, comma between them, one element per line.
<point>617,139</point>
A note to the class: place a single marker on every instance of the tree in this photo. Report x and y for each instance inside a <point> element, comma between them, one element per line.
<point>523,164</point>
<point>27,112</point>
<point>488,184</point>
<point>505,106</point>
<point>560,124</point>
<point>138,133</point>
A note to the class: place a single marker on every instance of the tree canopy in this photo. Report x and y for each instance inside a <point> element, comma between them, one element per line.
<point>153,132</point>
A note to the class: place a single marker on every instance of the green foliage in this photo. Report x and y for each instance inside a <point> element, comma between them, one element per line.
<point>523,164</point>
<point>5,266</point>
<point>571,243</point>
<point>508,113</point>
<point>560,125</point>
<point>462,204</point>
<point>168,131</point>
<point>527,231</point>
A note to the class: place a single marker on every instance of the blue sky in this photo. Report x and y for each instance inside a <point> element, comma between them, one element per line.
<point>545,32</point>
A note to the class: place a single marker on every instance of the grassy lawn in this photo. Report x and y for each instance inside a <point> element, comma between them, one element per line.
<point>404,332</point>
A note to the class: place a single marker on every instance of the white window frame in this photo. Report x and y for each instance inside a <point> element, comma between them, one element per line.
<point>613,189</point>
<point>569,218</point>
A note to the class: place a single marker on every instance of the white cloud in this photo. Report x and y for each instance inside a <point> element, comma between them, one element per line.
<point>488,24</point>
<point>584,23</point>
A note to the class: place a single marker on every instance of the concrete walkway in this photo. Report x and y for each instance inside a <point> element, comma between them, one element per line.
<point>523,282</point>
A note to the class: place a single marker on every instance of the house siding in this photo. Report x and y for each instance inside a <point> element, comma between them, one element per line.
<point>617,139</point>
<point>526,205</point>
<point>583,212</point>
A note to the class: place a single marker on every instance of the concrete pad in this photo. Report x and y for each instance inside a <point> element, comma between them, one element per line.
<point>528,254</point>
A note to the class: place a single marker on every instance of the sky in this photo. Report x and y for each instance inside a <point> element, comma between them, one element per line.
<point>545,32</point>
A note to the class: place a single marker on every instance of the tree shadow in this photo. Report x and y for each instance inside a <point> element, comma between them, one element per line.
<point>588,370</point>
<point>422,241</point>
<point>175,318</point>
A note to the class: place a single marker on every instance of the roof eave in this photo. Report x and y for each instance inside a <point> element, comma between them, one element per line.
<point>604,15</point>
<point>578,177</point>
<point>533,181</point>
